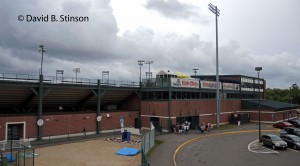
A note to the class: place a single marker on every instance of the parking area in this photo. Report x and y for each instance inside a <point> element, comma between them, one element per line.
<point>234,149</point>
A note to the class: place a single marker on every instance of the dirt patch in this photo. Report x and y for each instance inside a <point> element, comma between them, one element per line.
<point>88,153</point>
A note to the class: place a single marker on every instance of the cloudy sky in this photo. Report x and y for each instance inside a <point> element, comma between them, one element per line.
<point>178,35</point>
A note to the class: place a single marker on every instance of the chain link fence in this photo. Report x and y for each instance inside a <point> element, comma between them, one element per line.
<point>148,142</point>
<point>23,157</point>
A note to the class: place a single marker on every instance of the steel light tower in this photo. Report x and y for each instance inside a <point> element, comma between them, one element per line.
<point>40,96</point>
<point>216,11</point>
<point>258,69</point>
<point>195,71</point>
<point>60,72</point>
<point>149,73</point>
<point>76,70</point>
<point>42,50</point>
<point>105,74</point>
<point>140,63</point>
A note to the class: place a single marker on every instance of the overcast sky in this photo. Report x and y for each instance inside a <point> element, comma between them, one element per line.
<point>178,35</point>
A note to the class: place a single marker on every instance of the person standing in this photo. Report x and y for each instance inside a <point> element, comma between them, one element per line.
<point>202,128</point>
<point>84,132</point>
<point>239,125</point>
<point>209,127</point>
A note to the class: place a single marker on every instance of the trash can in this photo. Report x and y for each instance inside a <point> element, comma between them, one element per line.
<point>128,136</point>
<point>124,136</point>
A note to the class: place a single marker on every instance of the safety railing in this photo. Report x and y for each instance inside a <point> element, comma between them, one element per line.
<point>23,157</point>
<point>65,80</point>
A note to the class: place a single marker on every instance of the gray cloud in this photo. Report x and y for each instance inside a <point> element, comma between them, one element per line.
<point>65,40</point>
<point>177,10</point>
<point>94,46</point>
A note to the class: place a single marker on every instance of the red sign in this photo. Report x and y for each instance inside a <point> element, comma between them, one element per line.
<point>184,83</point>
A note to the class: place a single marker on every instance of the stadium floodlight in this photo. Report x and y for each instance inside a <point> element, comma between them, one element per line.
<point>195,71</point>
<point>258,69</point>
<point>60,72</point>
<point>42,50</point>
<point>105,74</point>
<point>216,11</point>
<point>149,73</point>
<point>76,70</point>
<point>140,63</point>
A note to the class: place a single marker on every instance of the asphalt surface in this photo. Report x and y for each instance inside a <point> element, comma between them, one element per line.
<point>232,150</point>
<point>222,147</point>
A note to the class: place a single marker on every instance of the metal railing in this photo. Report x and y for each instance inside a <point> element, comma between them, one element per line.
<point>14,144</point>
<point>51,139</point>
<point>155,82</point>
<point>24,157</point>
<point>65,80</point>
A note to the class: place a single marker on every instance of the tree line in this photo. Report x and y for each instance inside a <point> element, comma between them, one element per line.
<point>291,95</point>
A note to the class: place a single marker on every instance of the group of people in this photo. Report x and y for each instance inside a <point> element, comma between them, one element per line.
<point>185,127</point>
<point>181,128</point>
<point>205,127</point>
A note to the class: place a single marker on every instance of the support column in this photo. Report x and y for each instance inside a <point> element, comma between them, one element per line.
<point>98,128</point>
<point>169,105</point>
<point>140,106</point>
<point>40,107</point>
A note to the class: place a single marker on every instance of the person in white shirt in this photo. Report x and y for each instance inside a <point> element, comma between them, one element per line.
<point>239,125</point>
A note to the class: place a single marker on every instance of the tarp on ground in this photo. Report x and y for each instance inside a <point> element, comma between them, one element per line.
<point>10,158</point>
<point>128,151</point>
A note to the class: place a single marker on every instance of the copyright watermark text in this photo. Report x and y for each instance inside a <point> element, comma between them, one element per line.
<point>53,18</point>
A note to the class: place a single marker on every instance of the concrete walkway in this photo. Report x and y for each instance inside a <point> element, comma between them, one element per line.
<point>163,155</point>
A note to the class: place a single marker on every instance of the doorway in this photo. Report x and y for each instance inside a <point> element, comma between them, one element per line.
<point>15,131</point>
<point>194,120</point>
<point>156,123</point>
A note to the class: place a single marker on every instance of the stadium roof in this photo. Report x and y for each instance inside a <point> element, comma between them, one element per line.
<point>267,105</point>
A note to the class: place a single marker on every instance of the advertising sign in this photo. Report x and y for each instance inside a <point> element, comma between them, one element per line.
<point>231,86</point>
<point>209,85</point>
<point>213,85</point>
<point>184,83</point>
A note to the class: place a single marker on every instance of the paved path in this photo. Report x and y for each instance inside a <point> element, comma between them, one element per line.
<point>163,155</point>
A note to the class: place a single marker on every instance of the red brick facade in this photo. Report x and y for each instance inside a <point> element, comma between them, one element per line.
<point>61,124</point>
<point>270,116</point>
<point>205,109</point>
<point>74,123</point>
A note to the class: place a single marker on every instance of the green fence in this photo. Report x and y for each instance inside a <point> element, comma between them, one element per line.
<point>26,157</point>
<point>23,157</point>
<point>147,143</point>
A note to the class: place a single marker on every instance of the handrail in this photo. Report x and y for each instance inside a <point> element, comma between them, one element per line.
<point>65,80</point>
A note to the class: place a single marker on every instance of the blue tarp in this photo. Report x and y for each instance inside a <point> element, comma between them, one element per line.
<point>10,157</point>
<point>128,151</point>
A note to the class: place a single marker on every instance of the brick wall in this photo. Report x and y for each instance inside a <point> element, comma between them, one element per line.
<point>60,124</point>
<point>266,115</point>
<point>182,108</point>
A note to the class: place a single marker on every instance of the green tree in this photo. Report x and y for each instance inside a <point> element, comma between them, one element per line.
<point>295,94</point>
<point>282,95</point>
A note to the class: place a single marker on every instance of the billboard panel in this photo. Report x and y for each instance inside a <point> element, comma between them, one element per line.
<point>184,83</point>
<point>231,86</point>
<point>209,84</point>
